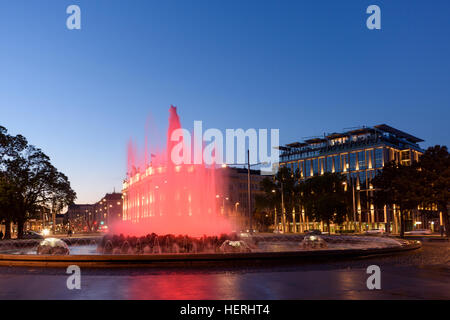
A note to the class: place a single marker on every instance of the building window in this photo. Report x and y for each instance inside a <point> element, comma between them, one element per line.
<point>362,179</point>
<point>352,161</point>
<point>315,167</point>
<point>307,168</point>
<point>295,167</point>
<point>354,178</point>
<point>344,162</point>
<point>369,158</point>
<point>405,157</point>
<point>370,175</point>
<point>337,164</point>
<point>302,170</point>
<point>378,158</point>
<point>329,164</point>
<point>361,161</point>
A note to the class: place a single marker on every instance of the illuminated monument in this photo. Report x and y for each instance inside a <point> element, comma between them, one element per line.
<point>171,199</point>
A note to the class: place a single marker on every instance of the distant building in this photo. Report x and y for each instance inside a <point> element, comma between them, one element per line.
<point>359,154</point>
<point>235,198</point>
<point>97,216</point>
<point>80,217</point>
<point>108,210</point>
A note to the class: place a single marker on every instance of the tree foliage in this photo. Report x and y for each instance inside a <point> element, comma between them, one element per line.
<point>284,185</point>
<point>433,184</point>
<point>397,185</point>
<point>324,198</point>
<point>28,181</point>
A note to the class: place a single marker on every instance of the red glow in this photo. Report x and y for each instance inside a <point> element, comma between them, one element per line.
<point>169,199</point>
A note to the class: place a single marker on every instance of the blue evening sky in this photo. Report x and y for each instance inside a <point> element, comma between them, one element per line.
<point>305,67</point>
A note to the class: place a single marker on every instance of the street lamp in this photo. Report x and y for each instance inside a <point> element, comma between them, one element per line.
<point>223,201</point>
<point>358,188</point>
<point>275,213</point>
<point>354,203</point>
<point>250,218</point>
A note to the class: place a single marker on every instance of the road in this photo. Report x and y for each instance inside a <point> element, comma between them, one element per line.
<point>419,274</point>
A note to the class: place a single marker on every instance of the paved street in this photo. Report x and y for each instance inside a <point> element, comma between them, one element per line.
<point>420,274</point>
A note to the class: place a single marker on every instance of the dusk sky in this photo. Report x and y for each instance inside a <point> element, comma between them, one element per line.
<point>304,67</point>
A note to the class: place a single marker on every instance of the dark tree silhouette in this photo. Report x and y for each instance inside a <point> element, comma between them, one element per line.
<point>284,185</point>
<point>434,180</point>
<point>30,180</point>
<point>398,184</point>
<point>324,198</point>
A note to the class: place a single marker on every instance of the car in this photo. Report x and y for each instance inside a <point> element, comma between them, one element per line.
<point>419,231</point>
<point>313,232</point>
<point>32,235</point>
<point>244,234</point>
<point>375,231</point>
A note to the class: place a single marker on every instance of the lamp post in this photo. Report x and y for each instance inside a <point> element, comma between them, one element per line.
<point>275,214</point>
<point>371,189</point>
<point>283,216</point>
<point>236,205</point>
<point>223,202</point>
<point>353,201</point>
<point>250,218</point>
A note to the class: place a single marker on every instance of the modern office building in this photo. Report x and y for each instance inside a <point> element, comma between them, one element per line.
<point>359,154</point>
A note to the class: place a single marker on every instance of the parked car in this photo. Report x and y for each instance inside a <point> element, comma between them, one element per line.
<point>375,231</point>
<point>32,235</point>
<point>419,231</point>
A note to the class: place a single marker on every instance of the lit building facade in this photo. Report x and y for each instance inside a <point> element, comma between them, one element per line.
<point>80,217</point>
<point>191,190</point>
<point>107,211</point>
<point>97,216</point>
<point>235,199</point>
<point>359,154</point>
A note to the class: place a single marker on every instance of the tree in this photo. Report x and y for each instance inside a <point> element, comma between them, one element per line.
<point>263,219</point>
<point>281,190</point>
<point>8,207</point>
<point>10,146</point>
<point>287,183</point>
<point>267,203</point>
<point>434,180</point>
<point>398,185</point>
<point>324,198</point>
<point>31,181</point>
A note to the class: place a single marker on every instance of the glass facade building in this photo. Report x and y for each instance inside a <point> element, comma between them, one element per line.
<point>359,154</point>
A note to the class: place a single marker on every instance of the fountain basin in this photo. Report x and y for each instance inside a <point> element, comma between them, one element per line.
<point>276,254</point>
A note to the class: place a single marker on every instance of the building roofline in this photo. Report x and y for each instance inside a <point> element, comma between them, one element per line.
<point>399,133</point>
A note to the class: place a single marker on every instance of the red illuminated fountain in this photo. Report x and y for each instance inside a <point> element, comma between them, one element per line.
<point>165,198</point>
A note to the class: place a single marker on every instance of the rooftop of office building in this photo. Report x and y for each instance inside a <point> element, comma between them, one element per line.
<point>353,138</point>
